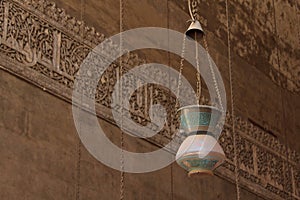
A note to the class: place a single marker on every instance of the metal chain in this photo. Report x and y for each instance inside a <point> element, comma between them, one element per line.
<point>286,148</point>
<point>281,91</point>
<point>169,64</point>
<point>298,16</point>
<point>213,73</point>
<point>78,169</point>
<point>298,31</point>
<point>190,10</point>
<point>234,133</point>
<point>122,179</point>
<point>180,70</point>
<point>199,87</point>
<point>78,174</point>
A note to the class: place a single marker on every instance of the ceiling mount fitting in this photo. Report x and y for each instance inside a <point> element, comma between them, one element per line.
<point>195,30</point>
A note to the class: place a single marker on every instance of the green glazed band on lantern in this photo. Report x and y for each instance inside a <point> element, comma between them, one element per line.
<point>199,119</point>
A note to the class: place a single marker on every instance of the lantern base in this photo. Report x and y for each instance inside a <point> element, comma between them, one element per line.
<point>200,172</point>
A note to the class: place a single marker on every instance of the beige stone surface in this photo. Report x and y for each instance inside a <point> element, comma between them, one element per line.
<point>39,156</point>
<point>254,44</point>
<point>39,143</point>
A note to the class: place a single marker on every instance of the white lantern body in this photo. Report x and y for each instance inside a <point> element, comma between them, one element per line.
<point>200,154</point>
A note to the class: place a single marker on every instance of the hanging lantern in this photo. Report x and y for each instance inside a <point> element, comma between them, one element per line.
<point>200,154</point>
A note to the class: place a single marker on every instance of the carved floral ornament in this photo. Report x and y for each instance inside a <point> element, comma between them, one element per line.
<point>45,46</point>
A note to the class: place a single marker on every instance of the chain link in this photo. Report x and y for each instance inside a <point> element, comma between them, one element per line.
<point>169,64</point>
<point>199,88</point>
<point>78,172</point>
<point>78,169</point>
<point>122,179</point>
<point>234,133</point>
<point>213,73</point>
<point>180,70</point>
<point>282,103</point>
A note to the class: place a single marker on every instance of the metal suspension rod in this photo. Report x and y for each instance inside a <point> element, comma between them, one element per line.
<point>190,10</point>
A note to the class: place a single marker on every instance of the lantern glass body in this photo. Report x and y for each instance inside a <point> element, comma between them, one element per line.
<point>199,119</point>
<point>200,154</point>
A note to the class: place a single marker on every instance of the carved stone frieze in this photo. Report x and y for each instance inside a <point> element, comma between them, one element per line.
<point>1,17</point>
<point>45,41</point>
<point>271,33</point>
<point>72,53</point>
<point>296,181</point>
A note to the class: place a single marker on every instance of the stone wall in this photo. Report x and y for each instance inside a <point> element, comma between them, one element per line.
<point>41,154</point>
